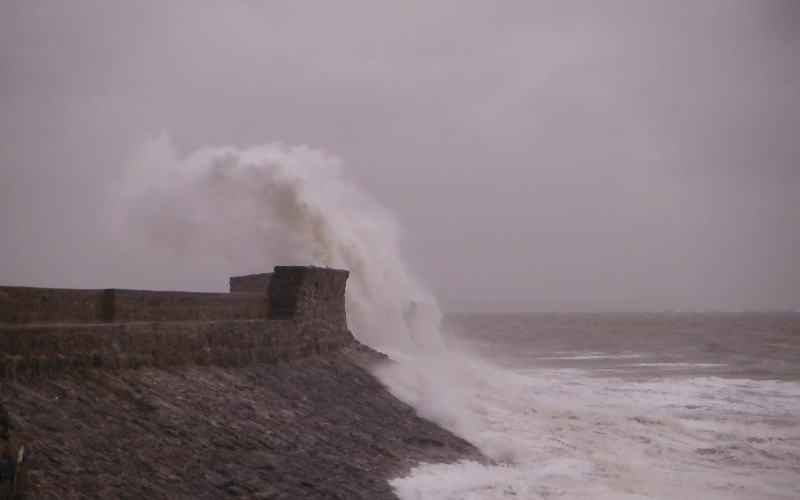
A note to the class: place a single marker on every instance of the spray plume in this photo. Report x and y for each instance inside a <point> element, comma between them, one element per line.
<point>293,204</point>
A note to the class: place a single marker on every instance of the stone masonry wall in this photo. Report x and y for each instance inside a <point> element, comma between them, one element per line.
<point>28,305</point>
<point>136,305</point>
<point>309,292</point>
<point>251,283</point>
<point>50,305</point>
<point>43,350</point>
<point>45,331</point>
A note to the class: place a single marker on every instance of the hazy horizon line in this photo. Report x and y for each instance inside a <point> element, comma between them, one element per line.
<point>477,306</point>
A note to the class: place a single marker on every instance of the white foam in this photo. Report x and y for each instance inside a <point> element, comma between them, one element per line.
<point>578,437</point>
<point>583,357</point>
<point>679,365</point>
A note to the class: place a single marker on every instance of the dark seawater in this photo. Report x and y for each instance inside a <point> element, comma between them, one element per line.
<point>731,345</point>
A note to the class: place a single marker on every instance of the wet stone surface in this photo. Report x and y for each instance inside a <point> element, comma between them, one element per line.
<point>322,427</point>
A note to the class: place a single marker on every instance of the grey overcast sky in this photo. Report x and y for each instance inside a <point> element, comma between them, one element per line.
<point>567,155</point>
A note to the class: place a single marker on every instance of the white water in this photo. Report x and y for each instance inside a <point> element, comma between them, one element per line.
<point>559,433</point>
<point>578,436</point>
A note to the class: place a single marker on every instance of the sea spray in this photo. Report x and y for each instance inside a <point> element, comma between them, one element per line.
<point>294,206</point>
<point>563,433</point>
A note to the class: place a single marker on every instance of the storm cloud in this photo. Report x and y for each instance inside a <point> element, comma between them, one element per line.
<point>538,155</point>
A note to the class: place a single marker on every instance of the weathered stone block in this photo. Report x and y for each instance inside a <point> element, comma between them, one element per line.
<point>250,283</point>
<point>309,292</point>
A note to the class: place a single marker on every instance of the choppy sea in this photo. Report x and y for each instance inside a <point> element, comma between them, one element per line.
<point>629,406</point>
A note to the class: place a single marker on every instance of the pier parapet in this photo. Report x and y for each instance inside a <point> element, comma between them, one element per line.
<point>295,312</point>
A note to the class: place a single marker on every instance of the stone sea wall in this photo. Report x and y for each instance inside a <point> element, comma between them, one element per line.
<point>139,394</point>
<point>292,313</point>
<point>28,305</point>
<point>321,427</point>
<point>42,350</point>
